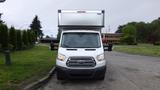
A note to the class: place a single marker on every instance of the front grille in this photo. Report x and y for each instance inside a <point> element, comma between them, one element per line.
<point>81,62</point>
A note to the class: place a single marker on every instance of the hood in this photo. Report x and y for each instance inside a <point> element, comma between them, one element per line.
<point>69,52</point>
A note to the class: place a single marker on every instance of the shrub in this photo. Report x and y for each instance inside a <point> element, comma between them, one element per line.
<point>4,36</point>
<point>24,46</point>
<point>19,40</point>
<point>128,40</point>
<point>0,47</point>
<point>156,43</point>
<point>29,37</point>
<point>0,41</point>
<point>129,35</point>
<point>25,39</point>
<point>33,37</point>
<point>12,38</point>
<point>10,47</point>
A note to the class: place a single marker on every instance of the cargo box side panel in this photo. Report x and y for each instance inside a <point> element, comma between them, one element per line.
<point>81,19</point>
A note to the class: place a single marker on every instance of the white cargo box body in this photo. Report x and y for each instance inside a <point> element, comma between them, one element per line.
<point>68,18</point>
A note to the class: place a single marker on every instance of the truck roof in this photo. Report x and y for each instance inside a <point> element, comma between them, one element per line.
<point>81,18</point>
<point>81,31</point>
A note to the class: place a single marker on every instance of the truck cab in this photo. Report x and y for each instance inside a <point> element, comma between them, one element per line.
<point>80,51</point>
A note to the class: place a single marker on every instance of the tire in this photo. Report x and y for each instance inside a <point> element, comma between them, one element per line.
<point>102,77</point>
<point>60,76</point>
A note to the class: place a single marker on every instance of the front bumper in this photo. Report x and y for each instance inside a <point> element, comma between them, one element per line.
<point>81,73</point>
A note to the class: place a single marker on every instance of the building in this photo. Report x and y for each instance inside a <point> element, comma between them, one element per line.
<point>111,38</point>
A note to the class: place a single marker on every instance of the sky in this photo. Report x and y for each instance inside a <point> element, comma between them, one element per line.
<point>20,13</point>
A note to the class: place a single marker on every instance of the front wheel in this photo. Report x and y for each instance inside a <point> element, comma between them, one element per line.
<point>102,77</point>
<point>101,74</point>
<point>60,76</point>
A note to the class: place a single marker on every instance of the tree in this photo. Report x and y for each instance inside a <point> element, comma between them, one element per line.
<point>19,40</point>
<point>120,28</point>
<point>145,32</point>
<point>25,39</point>
<point>1,21</point>
<point>0,37</point>
<point>12,37</point>
<point>155,34</point>
<point>29,37</point>
<point>142,33</point>
<point>4,36</point>
<point>47,36</point>
<point>129,35</point>
<point>36,27</point>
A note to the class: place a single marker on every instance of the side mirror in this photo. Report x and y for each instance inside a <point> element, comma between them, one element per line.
<point>54,46</point>
<point>108,47</point>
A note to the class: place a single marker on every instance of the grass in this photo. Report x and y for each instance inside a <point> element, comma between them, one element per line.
<point>141,49</point>
<point>27,66</point>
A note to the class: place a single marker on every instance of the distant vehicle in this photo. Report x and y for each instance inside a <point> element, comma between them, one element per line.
<point>80,51</point>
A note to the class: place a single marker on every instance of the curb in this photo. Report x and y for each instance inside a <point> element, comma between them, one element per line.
<point>40,82</point>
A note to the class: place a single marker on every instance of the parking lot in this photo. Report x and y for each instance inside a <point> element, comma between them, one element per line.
<point>124,72</point>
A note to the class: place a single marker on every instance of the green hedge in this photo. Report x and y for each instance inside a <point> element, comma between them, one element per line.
<point>13,39</point>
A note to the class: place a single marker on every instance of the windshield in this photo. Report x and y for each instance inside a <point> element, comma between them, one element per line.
<point>80,40</point>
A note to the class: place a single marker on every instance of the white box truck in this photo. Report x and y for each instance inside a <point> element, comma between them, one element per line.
<point>80,51</point>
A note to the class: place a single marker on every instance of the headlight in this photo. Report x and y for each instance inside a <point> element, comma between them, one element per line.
<point>61,57</point>
<point>100,57</point>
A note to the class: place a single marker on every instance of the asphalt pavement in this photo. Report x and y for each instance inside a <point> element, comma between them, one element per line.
<point>124,72</point>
